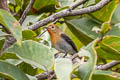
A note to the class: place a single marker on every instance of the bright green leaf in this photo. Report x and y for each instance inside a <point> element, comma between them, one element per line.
<point>109,48</point>
<point>105,28</point>
<point>105,14</point>
<point>8,56</point>
<point>28,34</point>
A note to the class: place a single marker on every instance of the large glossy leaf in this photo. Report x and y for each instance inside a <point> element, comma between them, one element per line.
<point>11,72</point>
<point>63,68</point>
<point>109,48</point>
<point>82,29</point>
<point>105,14</point>
<point>116,15</point>
<point>75,39</point>
<point>115,30</point>
<point>34,53</point>
<point>86,69</point>
<point>11,24</point>
<point>44,5</point>
<point>105,75</point>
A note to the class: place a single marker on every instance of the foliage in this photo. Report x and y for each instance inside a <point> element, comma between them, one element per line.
<point>96,36</point>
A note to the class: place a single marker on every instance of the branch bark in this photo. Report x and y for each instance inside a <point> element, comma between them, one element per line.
<point>66,12</point>
<point>4,5</point>
<point>77,4</point>
<point>26,11</point>
<point>108,65</point>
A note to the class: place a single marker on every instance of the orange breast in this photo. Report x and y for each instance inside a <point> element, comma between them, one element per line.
<point>54,37</point>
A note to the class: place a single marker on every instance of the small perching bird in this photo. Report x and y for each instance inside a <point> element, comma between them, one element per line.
<point>60,40</point>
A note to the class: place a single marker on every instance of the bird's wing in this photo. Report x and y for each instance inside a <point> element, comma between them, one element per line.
<point>64,36</point>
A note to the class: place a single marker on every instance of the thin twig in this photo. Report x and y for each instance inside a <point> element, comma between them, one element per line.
<point>108,65</point>
<point>44,75</point>
<point>77,4</point>
<point>26,11</point>
<point>65,13</point>
<point>52,76</point>
<point>41,34</point>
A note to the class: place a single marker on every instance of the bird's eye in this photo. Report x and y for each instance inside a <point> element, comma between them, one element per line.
<point>52,26</point>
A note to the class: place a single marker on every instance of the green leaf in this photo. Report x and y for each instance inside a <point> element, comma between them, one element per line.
<point>105,75</point>
<point>34,53</point>
<point>116,15</point>
<point>77,42</point>
<point>30,20</point>
<point>86,69</point>
<point>115,30</point>
<point>27,68</point>
<point>82,29</point>
<point>5,56</point>
<point>105,14</point>
<point>11,72</point>
<point>11,24</point>
<point>28,35</point>
<point>44,5</point>
<point>105,28</point>
<point>13,2</point>
<point>109,48</point>
<point>63,68</point>
<point>90,2</point>
<point>1,43</point>
<point>103,54</point>
<point>64,3</point>
<point>3,34</point>
<point>19,2</point>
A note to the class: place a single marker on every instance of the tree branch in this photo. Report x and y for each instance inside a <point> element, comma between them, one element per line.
<point>4,5</point>
<point>77,4</point>
<point>44,75</point>
<point>66,12</point>
<point>108,65</point>
<point>26,11</point>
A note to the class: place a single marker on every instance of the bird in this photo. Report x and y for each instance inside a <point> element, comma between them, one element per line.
<point>60,41</point>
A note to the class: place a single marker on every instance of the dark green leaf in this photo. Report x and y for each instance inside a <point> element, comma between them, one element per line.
<point>11,72</point>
